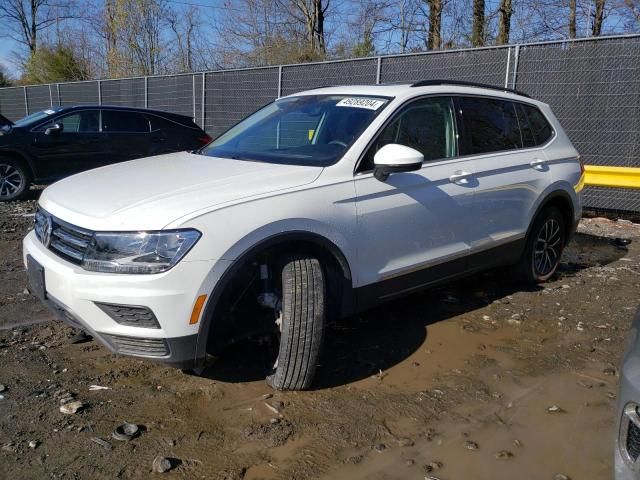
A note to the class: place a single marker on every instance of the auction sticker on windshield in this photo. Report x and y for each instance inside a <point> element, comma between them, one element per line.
<point>360,102</point>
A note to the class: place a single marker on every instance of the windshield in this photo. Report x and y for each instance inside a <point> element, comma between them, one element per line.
<point>310,130</point>
<point>35,117</point>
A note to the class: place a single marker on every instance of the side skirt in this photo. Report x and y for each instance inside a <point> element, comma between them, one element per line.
<point>374,294</point>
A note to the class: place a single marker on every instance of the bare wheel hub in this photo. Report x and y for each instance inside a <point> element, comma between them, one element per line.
<point>547,249</point>
<point>10,180</point>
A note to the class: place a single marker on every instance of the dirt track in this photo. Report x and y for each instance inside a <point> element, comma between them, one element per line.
<point>454,383</point>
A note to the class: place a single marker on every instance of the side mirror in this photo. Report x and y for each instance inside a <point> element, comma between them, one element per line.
<point>55,128</point>
<point>394,158</point>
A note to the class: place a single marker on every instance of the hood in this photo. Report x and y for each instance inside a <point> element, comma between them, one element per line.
<point>150,193</point>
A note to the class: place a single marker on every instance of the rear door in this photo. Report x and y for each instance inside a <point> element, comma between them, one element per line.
<point>511,168</point>
<point>76,148</point>
<point>127,133</point>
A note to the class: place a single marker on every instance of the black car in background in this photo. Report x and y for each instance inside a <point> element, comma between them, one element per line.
<point>51,144</point>
<point>4,121</point>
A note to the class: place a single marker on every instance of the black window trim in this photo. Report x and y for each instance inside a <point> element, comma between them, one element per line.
<point>393,116</point>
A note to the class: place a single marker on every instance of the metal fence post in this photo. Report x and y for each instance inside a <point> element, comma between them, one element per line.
<point>506,75</point>
<point>515,66</point>
<point>50,96</point>
<point>204,103</point>
<point>99,92</point>
<point>279,81</point>
<point>379,71</point>
<point>146,92</point>
<point>26,103</point>
<point>58,89</point>
<point>193,95</point>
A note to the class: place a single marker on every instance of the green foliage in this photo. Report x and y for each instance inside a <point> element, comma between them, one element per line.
<point>365,48</point>
<point>54,64</point>
<point>4,79</point>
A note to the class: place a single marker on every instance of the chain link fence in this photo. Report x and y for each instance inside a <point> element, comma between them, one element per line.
<point>593,86</point>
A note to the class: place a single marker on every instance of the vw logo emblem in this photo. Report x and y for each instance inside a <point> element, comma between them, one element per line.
<point>47,228</point>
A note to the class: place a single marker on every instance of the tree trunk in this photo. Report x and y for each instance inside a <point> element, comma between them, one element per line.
<point>319,27</point>
<point>572,18</point>
<point>33,41</point>
<point>505,22</point>
<point>434,42</point>
<point>477,37</point>
<point>598,17</point>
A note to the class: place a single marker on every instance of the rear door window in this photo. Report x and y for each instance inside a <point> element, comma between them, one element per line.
<point>124,122</point>
<point>490,125</point>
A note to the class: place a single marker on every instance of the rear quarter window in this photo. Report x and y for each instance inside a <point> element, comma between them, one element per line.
<point>541,129</point>
<point>158,123</point>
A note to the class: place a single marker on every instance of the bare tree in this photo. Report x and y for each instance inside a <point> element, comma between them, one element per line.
<point>184,28</point>
<point>504,30</point>
<point>27,18</point>
<point>477,36</point>
<point>132,30</point>
<point>311,14</point>
<point>434,41</point>
<point>598,16</point>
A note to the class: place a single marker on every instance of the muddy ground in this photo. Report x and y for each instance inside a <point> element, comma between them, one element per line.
<point>454,383</point>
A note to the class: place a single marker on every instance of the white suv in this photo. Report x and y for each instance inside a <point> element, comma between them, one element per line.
<point>319,205</point>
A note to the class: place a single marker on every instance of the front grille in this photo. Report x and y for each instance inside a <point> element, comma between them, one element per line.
<point>130,315</point>
<point>62,238</point>
<point>145,347</point>
<point>633,441</point>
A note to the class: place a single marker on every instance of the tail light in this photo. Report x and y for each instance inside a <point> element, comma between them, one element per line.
<point>581,160</point>
<point>205,139</point>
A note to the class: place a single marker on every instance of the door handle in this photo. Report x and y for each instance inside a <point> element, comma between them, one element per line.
<point>460,177</point>
<point>538,164</point>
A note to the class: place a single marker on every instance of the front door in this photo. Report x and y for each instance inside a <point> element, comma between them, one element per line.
<point>413,227</point>
<point>77,147</point>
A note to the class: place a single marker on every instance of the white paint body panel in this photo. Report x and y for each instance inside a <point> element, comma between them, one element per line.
<point>383,229</point>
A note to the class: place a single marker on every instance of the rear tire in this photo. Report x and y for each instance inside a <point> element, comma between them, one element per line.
<point>544,247</point>
<point>302,324</point>
<point>15,180</point>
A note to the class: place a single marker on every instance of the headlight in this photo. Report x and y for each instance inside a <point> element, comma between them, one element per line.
<point>138,252</point>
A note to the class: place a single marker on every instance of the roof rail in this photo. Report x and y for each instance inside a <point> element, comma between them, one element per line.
<point>462,83</point>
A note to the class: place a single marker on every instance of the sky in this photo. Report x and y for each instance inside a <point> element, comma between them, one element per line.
<point>343,9</point>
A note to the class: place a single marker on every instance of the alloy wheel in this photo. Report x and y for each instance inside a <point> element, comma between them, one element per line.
<point>10,180</point>
<point>548,247</point>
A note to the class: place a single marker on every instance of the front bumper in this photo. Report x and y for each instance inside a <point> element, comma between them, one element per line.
<point>72,294</point>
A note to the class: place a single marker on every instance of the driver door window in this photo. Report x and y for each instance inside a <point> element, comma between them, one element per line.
<point>427,125</point>
<point>86,121</point>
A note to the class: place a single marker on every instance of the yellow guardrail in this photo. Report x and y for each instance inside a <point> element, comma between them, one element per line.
<point>621,177</point>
